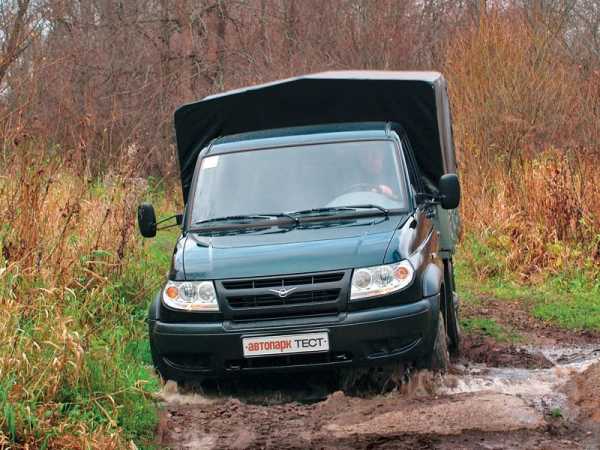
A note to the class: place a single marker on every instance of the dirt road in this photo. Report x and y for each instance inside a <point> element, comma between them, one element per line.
<point>543,393</point>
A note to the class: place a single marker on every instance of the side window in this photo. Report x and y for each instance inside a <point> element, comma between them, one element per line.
<point>415,176</point>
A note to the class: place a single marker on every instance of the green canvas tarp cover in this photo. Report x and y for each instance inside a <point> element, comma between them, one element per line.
<point>416,100</point>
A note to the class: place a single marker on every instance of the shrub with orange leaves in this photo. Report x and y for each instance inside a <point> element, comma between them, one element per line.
<point>527,123</point>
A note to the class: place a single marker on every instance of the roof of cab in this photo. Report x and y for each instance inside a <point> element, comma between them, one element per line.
<point>304,135</point>
<point>405,75</point>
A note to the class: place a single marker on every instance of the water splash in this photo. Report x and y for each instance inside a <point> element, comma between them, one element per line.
<point>541,388</point>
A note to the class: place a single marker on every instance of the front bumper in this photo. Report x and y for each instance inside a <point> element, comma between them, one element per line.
<point>359,338</point>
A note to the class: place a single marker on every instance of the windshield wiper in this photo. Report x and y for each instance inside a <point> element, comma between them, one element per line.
<point>293,216</point>
<point>337,209</point>
<point>370,206</point>
<point>247,217</point>
<point>319,210</point>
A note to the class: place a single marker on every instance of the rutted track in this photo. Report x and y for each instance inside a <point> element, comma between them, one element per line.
<point>535,396</point>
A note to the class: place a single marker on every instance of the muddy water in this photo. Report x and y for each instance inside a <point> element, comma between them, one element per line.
<point>476,406</point>
<point>540,388</point>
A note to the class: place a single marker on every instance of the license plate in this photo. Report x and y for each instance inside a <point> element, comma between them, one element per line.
<point>290,343</point>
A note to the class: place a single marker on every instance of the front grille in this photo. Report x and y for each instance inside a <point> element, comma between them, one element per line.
<point>254,301</point>
<point>303,295</point>
<point>295,280</point>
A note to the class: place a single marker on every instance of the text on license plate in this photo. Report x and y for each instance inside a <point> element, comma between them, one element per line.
<point>291,343</point>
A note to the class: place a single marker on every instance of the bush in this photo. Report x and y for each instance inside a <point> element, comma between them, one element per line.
<point>525,121</point>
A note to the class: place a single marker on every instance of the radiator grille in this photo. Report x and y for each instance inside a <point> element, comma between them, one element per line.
<point>296,280</point>
<point>254,301</point>
<point>284,296</point>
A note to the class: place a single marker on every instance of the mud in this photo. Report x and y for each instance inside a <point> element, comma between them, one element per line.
<point>544,393</point>
<point>584,390</point>
<point>483,350</point>
<point>444,416</point>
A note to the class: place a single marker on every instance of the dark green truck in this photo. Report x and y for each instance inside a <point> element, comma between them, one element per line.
<point>318,232</point>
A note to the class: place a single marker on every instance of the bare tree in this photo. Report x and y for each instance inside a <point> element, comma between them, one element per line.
<point>584,38</point>
<point>105,75</point>
<point>19,24</point>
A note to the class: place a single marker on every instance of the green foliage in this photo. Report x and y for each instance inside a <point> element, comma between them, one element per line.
<point>569,298</point>
<point>485,258</point>
<point>156,186</point>
<point>573,307</point>
<point>116,385</point>
<point>489,327</point>
<point>7,408</point>
<point>556,413</point>
<point>117,364</point>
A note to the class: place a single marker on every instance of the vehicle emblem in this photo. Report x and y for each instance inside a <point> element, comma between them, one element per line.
<point>283,292</point>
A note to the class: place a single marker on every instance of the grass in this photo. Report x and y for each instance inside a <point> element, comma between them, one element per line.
<point>117,383</point>
<point>489,327</point>
<point>569,299</point>
<point>75,283</point>
<point>126,378</point>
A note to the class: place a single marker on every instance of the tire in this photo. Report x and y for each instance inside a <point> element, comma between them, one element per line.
<point>453,325</point>
<point>438,359</point>
<point>450,305</point>
<point>360,381</point>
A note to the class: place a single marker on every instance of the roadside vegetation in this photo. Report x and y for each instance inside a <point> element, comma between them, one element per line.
<point>527,127</point>
<point>82,127</point>
<point>74,287</point>
<point>567,297</point>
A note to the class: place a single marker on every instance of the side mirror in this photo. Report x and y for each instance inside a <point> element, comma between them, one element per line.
<point>449,191</point>
<point>146,220</point>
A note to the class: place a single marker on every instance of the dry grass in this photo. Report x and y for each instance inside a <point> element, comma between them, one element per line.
<point>527,124</point>
<point>66,248</point>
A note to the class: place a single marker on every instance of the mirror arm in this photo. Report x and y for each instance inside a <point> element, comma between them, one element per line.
<point>429,199</point>
<point>178,219</point>
<point>167,227</point>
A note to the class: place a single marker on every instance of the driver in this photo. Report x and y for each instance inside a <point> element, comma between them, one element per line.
<point>373,169</point>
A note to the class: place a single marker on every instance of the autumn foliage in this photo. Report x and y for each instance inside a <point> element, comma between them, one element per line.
<point>527,129</point>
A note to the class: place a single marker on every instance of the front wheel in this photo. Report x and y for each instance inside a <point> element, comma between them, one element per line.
<point>450,305</point>
<point>438,359</point>
<point>453,325</point>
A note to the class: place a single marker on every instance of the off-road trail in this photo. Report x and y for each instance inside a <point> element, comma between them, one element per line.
<point>542,393</point>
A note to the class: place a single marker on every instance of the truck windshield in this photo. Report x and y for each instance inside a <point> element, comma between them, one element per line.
<point>290,179</point>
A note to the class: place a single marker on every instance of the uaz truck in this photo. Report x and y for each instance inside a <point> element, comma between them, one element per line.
<point>318,231</point>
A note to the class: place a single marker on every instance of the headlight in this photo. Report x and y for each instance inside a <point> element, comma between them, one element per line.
<point>191,295</point>
<point>381,280</point>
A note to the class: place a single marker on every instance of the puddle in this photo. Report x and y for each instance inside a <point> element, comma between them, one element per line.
<point>477,406</point>
<point>267,390</point>
<point>541,388</point>
<point>577,357</point>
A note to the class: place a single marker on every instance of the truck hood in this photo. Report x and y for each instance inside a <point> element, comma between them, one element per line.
<point>324,246</point>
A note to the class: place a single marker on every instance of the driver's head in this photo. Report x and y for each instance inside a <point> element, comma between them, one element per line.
<point>373,162</point>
